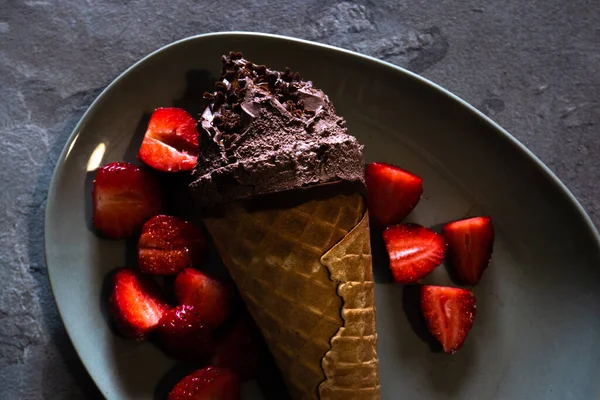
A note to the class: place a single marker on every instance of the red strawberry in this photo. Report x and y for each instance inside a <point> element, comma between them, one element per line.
<point>211,298</point>
<point>414,251</point>
<point>171,141</point>
<point>182,334</point>
<point>470,246</point>
<point>136,303</point>
<point>124,197</point>
<point>169,244</point>
<point>207,384</point>
<point>392,193</point>
<point>241,349</point>
<point>449,313</point>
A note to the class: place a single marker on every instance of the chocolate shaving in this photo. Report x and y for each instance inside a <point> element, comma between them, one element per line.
<point>217,121</point>
<point>229,74</point>
<point>220,86</point>
<point>227,98</point>
<point>232,98</point>
<point>260,69</point>
<point>236,55</point>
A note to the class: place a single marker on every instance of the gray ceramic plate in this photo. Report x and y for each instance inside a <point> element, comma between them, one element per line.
<point>537,334</point>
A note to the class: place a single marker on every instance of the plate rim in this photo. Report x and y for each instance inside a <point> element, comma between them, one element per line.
<point>499,131</point>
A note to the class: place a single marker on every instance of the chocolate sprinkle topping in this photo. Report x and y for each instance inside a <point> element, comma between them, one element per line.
<point>267,131</point>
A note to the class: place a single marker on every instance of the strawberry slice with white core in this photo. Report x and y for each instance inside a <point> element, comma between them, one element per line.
<point>470,247</point>
<point>169,244</point>
<point>414,251</point>
<point>171,141</point>
<point>137,303</point>
<point>240,350</point>
<point>392,193</point>
<point>449,313</point>
<point>124,197</point>
<point>211,298</point>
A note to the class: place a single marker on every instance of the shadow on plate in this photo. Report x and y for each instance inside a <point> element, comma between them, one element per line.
<point>381,263</point>
<point>411,305</point>
<point>198,82</point>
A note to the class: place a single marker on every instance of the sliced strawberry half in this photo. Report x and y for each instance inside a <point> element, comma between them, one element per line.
<point>211,298</point>
<point>169,244</point>
<point>124,197</point>
<point>207,384</point>
<point>171,141</point>
<point>136,303</point>
<point>241,349</point>
<point>414,251</point>
<point>449,313</point>
<point>182,334</point>
<point>470,247</point>
<point>392,193</point>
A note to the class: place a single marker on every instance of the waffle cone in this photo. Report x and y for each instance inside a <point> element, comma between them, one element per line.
<point>305,275</point>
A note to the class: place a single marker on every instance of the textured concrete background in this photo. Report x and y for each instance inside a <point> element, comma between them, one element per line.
<point>533,66</point>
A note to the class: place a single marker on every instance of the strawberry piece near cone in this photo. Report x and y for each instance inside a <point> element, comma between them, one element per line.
<point>171,141</point>
<point>449,313</point>
<point>169,244</point>
<point>471,243</point>
<point>393,193</point>
<point>136,303</point>
<point>414,251</point>
<point>124,197</point>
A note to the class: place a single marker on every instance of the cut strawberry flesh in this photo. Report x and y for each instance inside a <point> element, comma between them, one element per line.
<point>414,251</point>
<point>449,313</point>
<point>392,193</point>
<point>163,157</point>
<point>136,303</point>
<point>124,197</point>
<point>210,383</point>
<point>163,262</point>
<point>470,248</point>
<point>174,127</point>
<point>211,298</point>
<point>171,141</point>
<point>182,334</point>
<point>169,244</point>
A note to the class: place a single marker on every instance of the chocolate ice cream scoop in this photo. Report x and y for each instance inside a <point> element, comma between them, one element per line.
<point>267,131</point>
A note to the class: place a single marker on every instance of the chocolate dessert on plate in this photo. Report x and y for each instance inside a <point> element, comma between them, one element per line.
<point>281,185</point>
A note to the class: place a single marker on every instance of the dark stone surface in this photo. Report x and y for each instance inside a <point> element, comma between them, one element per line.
<point>533,66</point>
